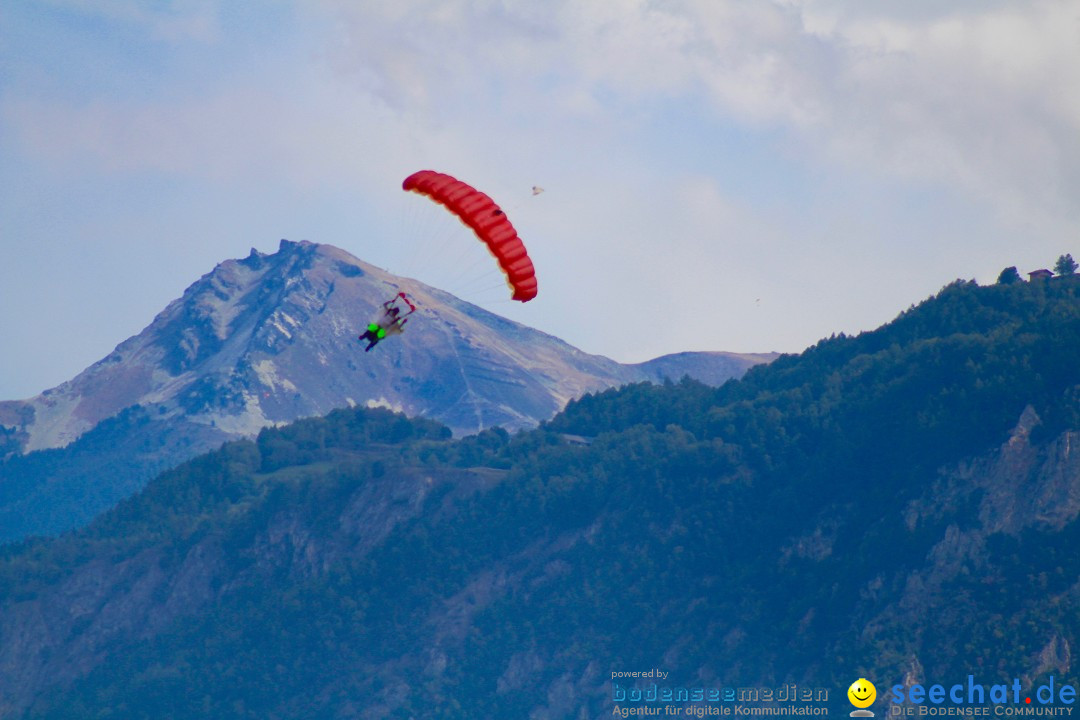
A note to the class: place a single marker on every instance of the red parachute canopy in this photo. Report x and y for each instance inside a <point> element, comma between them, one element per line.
<point>490,224</point>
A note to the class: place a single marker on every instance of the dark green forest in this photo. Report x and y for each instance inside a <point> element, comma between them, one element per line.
<point>764,532</point>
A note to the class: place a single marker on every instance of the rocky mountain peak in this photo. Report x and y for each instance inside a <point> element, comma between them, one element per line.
<point>272,337</point>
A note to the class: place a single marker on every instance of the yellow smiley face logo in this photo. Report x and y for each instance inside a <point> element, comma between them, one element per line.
<point>862,693</point>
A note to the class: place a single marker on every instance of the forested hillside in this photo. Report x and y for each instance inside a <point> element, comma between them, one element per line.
<point>900,505</point>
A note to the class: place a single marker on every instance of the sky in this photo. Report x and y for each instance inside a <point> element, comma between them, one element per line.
<point>740,175</point>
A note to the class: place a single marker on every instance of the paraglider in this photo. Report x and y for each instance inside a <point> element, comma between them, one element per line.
<point>492,227</point>
<point>391,320</point>
<point>487,220</point>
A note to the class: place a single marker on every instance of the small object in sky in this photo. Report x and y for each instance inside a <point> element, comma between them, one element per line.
<point>537,189</point>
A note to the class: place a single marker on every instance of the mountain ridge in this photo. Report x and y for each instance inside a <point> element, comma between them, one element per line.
<point>236,319</point>
<point>271,338</point>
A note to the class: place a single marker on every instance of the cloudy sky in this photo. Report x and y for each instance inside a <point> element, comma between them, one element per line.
<point>745,175</point>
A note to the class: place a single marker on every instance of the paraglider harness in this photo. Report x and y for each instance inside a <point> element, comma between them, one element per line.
<point>391,321</point>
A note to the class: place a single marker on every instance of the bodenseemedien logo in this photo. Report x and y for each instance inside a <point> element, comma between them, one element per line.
<point>862,694</point>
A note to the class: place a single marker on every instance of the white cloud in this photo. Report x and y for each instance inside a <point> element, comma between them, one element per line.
<point>985,96</point>
<point>984,99</point>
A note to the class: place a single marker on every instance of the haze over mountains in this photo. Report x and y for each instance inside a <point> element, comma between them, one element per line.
<point>271,338</point>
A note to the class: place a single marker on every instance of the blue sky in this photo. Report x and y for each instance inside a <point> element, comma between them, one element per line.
<point>719,175</point>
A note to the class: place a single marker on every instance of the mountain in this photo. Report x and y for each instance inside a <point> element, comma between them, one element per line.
<point>901,506</point>
<point>272,338</point>
<point>711,368</point>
